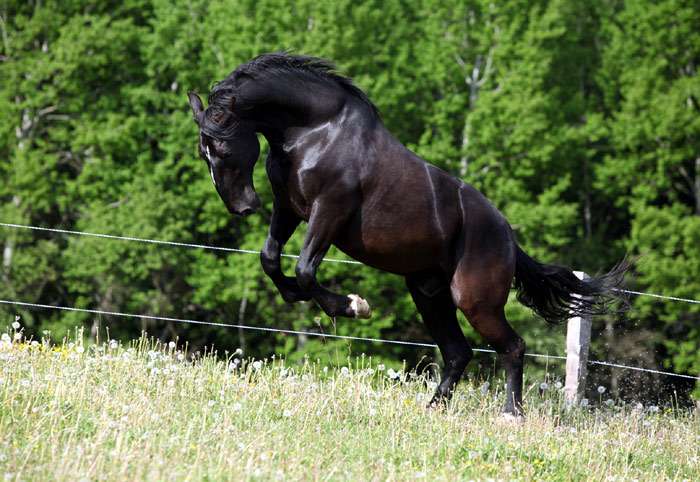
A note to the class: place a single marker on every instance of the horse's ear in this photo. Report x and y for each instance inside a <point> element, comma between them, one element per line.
<point>197,106</point>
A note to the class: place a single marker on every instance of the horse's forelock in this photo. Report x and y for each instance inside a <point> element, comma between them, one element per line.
<point>219,121</point>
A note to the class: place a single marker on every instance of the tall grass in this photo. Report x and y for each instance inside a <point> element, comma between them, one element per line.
<point>149,412</point>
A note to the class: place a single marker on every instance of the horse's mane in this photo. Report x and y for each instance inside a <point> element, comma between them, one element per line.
<point>220,124</point>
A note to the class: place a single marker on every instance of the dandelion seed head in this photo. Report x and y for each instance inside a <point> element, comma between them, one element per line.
<point>544,386</point>
<point>16,325</point>
<point>172,345</point>
<point>238,352</point>
<point>287,413</point>
<point>257,365</point>
<point>6,338</point>
<point>237,407</point>
<point>211,403</point>
<point>80,349</point>
<point>18,336</point>
<point>584,402</point>
<point>558,385</point>
<point>380,367</point>
<point>345,371</point>
<point>601,389</point>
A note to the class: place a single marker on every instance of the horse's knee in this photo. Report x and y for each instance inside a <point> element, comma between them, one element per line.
<point>269,257</point>
<point>306,276</point>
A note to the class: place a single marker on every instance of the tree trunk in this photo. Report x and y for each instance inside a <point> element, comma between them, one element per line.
<point>697,186</point>
<point>241,320</point>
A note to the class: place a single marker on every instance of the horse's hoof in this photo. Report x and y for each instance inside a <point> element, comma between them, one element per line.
<point>359,307</point>
<point>512,418</point>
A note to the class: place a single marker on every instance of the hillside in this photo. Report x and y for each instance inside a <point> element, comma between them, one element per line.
<point>151,412</point>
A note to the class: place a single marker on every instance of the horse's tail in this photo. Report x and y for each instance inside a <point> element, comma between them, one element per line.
<point>556,294</point>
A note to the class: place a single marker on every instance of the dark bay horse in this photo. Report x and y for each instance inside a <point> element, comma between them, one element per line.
<point>333,164</point>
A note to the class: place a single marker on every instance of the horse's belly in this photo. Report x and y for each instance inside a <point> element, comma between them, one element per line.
<point>398,249</point>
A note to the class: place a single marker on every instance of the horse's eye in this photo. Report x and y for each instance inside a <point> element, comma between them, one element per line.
<point>222,148</point>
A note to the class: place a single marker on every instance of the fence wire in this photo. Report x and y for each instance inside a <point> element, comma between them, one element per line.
<point>322,335</point>
<point>293,332</point>
<point>250,251</point>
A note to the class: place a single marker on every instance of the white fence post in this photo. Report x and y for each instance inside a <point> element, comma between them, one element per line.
<point>578,340</point>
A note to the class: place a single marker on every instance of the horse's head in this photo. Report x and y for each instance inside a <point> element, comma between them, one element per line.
<point>230,148</point>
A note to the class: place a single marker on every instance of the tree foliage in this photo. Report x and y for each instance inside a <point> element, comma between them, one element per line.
<point>579,120</point>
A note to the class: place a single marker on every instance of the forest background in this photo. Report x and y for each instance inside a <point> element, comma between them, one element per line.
<point>579,120</point>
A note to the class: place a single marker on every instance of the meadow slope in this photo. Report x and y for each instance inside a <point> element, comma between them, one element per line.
<point>148,412</point>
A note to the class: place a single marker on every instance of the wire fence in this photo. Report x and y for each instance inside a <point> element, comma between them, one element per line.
<point>295,332</point>
<point>250,251</point>
<point>322,335</point>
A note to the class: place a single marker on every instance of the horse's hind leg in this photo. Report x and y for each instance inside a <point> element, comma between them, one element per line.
<point>433,300</point>
<point>481,297</point>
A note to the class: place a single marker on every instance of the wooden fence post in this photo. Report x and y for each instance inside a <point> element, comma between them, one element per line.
<point>578,340</point>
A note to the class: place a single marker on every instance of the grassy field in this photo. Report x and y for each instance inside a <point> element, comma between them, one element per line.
<point>148,412</point>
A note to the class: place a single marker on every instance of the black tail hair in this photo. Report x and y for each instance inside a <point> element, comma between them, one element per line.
<point>556,294</point>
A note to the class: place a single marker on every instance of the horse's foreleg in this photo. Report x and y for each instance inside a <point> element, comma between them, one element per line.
<point>282,226</point>
<point>324,223</point>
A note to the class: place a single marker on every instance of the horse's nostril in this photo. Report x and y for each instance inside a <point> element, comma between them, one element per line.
<point>246,212</point>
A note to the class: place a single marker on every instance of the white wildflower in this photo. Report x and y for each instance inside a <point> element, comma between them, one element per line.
<point>113,344</point>
<point>601,389</point>
<point>172,345</point>
<point>345,371</point>
<point>16,325</point>
<point>180,356</point>
<point>558,385</point>
<point>257,365</point>
<point>18,336</point>
<point>544,386</point>
<point>6,338</point>
<point>238,352</point>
